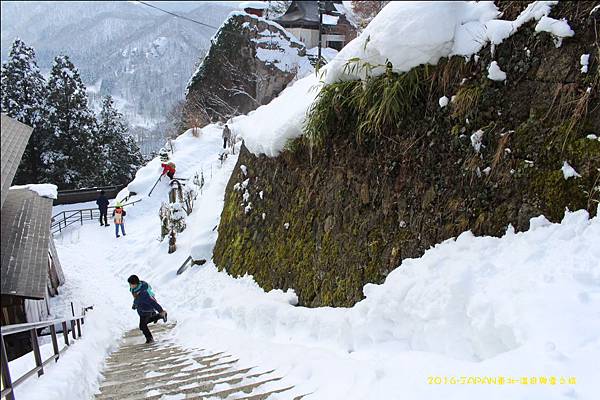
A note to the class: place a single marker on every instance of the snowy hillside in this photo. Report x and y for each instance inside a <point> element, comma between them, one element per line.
<point>512,316</point>
<point>139,55</point>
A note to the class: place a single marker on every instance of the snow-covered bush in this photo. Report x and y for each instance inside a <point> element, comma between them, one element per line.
<point>177,217</point>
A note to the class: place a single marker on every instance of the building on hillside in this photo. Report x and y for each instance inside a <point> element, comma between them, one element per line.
<point>31,271</point>
<point>254,7</point>
<point>302,20</point>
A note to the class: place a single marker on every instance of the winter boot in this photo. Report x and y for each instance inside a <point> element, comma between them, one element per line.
<point>149,340</point>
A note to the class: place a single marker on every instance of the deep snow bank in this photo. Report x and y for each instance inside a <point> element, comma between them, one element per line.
<point>412,33</point>
<point>267,129</point>
<point>523,304</point>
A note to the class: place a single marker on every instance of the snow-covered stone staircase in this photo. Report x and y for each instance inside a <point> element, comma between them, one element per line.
<point>163,370</point>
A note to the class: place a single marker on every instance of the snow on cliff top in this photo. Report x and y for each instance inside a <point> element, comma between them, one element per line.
<point>407,34</point>
<point>267,129</point>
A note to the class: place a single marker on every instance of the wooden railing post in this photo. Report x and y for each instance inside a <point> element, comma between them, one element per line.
<point>65,332</point>
<point>78,328</point>
<point>54,342</point>
<point>73,329</point>
<point>6,381</point>
<point>36,351</point>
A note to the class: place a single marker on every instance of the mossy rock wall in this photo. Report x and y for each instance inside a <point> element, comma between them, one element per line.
<point>325,221</point>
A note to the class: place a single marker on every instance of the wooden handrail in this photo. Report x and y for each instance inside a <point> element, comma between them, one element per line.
<point>8,384</point>
<point>96,208</point>
<point>80,215</point>
<point>16,328</point>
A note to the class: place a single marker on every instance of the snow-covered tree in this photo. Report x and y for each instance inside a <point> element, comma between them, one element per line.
<point>23,97</point>
<point>73,156</point>
<point>120,153</point>
<point>277,8</point>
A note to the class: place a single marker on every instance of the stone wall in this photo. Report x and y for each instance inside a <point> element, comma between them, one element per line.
<point>325,221</point>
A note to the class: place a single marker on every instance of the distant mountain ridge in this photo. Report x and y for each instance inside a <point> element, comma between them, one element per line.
<point>141,56</point>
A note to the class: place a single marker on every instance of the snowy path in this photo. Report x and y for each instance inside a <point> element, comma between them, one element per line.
<point>96,266</point>
<point>141,371</point>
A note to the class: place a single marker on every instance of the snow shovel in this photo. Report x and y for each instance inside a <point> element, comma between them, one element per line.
<point>158,180</point>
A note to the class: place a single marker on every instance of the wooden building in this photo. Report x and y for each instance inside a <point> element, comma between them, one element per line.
<point>31,271</point>
<point>302,20</point>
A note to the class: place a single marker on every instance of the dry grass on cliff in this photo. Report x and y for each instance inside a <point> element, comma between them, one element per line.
<point>369,107</point>
<point>466,100</point>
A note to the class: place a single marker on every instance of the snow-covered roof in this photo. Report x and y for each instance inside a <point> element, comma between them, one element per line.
<point>42,189</point>
<point>306,13</point>
<point>15,136</point>
<point>257,5</point>
<point>330,19</point>
<point>25,241</point>
<point>350,17</point>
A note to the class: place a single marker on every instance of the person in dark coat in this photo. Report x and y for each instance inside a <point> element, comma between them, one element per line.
<point>102,203</point>
<point>146,305</point>
<point>226,136</point>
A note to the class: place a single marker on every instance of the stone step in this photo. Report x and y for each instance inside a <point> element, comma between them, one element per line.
<point>163,380</point>
<point>158,327</point>
<point>139,371</point>
<point>223,394</point>
<point>207,369</point>
<point>198,385</point>
<point>133,359</point>
<point>164,366</point>
<point>148,368</point>
<point>265,395</point>
<point>169,359</point>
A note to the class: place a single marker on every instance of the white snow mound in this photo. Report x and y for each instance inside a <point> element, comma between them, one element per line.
<point>569,172</point>
<point>495,73</point>
<point>43,189</point>
<point>267,129</point>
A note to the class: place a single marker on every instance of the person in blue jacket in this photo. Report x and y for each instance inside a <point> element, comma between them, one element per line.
<point>102,203</point>
<point>146,305</point>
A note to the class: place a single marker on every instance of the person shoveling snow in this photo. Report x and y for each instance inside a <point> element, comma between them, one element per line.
<point>146,305</point>
<point>168,169</point>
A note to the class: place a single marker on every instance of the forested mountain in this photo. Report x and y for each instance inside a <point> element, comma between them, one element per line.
<point>141,56</point>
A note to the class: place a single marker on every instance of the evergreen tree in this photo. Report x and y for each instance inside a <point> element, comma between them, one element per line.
<point>121,154</point>
<point>23,98</point>
<point>73,156</point>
